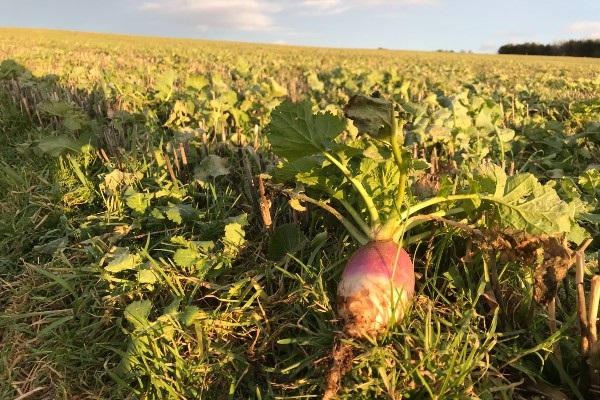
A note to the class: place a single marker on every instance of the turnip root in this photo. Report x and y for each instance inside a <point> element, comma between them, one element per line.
<point>375,287</point>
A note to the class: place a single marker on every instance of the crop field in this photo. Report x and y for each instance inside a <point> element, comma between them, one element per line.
<point>176,215</point>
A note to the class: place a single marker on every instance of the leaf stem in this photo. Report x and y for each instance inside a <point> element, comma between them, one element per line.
<point>436,200</point>
<point>436,216</point>
<point>389,227</point>
<point>398,158</point>
<point>352,229</point>
<point>371,208</point>
<point>356,216</point>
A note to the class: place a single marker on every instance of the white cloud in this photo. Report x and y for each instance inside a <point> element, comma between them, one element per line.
<point>243,15</point>
<point>257,15</point>
<point>587,29</point>
<point>327,6</point>
<point>340,6</point>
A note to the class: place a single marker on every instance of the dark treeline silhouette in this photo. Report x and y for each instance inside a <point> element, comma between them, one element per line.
<point>572,48</point>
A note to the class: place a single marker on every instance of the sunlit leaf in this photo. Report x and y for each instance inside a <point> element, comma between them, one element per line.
<point>189,315</point>
<point>294,132</point>
<point>57,145</point>
<point>137,313</point>
<point>138,201</point>
<point>123,262</point>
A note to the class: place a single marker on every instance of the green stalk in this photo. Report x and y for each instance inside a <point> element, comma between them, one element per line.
<point>371,208</point>
<point>352,229</point>
<point>420,219</point>
<point>356,216</point>
<point>436,200</point>
<point>398,158</point>
<point>390,226</point>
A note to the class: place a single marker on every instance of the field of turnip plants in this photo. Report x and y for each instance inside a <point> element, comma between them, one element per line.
<point>187,219</point>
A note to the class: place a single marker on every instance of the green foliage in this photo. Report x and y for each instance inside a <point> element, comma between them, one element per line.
<point>294,131</point>
<point>135,255</point>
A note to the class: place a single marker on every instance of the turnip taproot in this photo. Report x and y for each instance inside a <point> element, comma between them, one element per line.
<point>376,285</point>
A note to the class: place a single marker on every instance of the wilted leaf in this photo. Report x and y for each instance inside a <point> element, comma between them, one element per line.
<point>296,205</point>
<point>371,115</point>
<point>210,167</point>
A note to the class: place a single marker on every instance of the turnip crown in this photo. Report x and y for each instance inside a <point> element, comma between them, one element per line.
<point>376,286</point>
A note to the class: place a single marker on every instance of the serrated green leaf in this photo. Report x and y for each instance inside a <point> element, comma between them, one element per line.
<point>489,179</point>
<point>377,153</point>
<point>164,85</point>
<point>505,135</point>
<point>276,89</point>
<point>189,315</point>
<point>590,181</point>
<point>172,307</point>
<point>72,124</point>
<point>137,313</point>
<point>525,204</point>
<point>186,258</point>
<point>438,133</point>
<point>241,219</point>
<point>123,262</point>
<point>197,82</point>
<point>52,246</point>
<point>138,201</point>
<point>234,237</point>
<point>59,109</point>
<point>288,171</point>
<point>589,217</point>
<point>179,212</point>
<point>294,132</point>
<point>147,276</point>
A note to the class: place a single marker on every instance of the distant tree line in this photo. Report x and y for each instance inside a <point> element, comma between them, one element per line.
<point>572,48</point>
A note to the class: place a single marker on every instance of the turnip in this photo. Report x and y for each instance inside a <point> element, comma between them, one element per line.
<point>362,180</point>
<point>376,285</point>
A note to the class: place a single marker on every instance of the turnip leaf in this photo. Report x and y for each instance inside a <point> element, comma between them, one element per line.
<point>523,203</point>
<point>294,132</point>
<point>371,115</point>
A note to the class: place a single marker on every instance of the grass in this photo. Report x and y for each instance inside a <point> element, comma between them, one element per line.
<point>136,274</point>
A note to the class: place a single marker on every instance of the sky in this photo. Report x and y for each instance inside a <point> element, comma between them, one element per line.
<point>480,26</point>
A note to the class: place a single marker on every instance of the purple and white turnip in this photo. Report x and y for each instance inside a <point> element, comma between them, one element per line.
<point>376,285</point>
